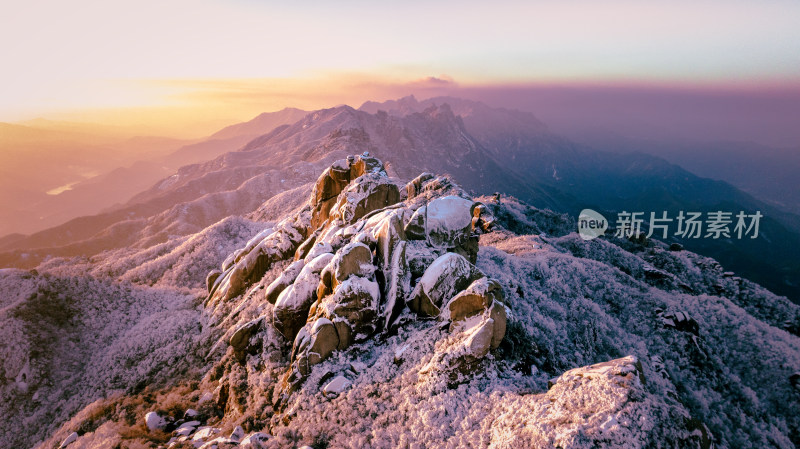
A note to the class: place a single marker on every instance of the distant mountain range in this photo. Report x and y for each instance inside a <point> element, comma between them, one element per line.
<point>485,149</point>
<point>87,179</point>
<point>767,173</point>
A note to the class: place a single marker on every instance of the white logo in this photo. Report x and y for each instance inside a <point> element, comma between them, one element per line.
<point>591,224</point>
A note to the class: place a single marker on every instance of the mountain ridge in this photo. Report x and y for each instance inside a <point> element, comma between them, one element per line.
<point>521,158</point>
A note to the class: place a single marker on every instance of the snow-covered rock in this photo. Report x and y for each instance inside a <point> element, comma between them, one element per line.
<point>211,279</point>
<point>414,186</point>
<point>415,228</point>
<point>254,440</point>
<point>187,428</point>
<point>203,434</point>
<point>205,397</point>
<point>241,336</point>
<point>154,422</point>
<point>370,192</point>
<point>69,440</point>
<point>315,342</point>
<point>354,259</point>
<point>292,306</point>
<point>237,434</point>
<point>336,386</point>
<point>448,220</point>
<point>446,276</point>
<point>258,256</point>
<point>476,298</point>
<point>287,277</point>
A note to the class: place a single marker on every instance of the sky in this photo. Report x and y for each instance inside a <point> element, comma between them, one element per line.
<point>210,61</point>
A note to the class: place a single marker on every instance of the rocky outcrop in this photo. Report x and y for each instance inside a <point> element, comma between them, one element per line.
<point>248,265</point>
<point>369,259</point>
<point>336,179</point>
<point>477,317</point>
<point>678,320</point>
<point>368,282</point>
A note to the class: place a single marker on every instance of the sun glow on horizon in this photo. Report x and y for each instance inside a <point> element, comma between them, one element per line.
<point>97,56</point>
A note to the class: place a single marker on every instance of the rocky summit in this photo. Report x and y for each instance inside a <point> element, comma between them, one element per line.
<point>362,258</point>
<point>368,311</point>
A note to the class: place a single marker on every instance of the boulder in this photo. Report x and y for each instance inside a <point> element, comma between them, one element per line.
<point>415,228</point>
<point>478,339</point>
<point>278,245</point>
<point>344,330</point>
<point>313,344</point>
<point>354,304</point>
<point>397,281</point>
<point>204,433</point>
<point>390,251</point>
<point>302,251</point>
<point>286,278</point>
<point>354,259</point>
<point>482,220</point>
<point>438,183</point>
<point>446,276</point>
<point>461,355</point>
<point>154,422</point>
<point>327,189</point>
<point>387,233</point>
<point>232,259</point>
<point>292,306</point>
<point>626,372</point>
<point>419,256</point>
<point>325,286</point>
<point>448,221</point>
<point>237,435</point>
<point>365,164</point>
<point>467,303</point>
<point>499,316</point>
<point>317,249</point>
<point>336,386</point>
<point>241,336</point>
<point>187,428</point>
<point>479,296</point>
<point>337,178</point>
<point>222,278</point>
<point>370,192</point>
<point>679,321</point>
<point>255,440</point>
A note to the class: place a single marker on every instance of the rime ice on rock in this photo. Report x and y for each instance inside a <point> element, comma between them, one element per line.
<point>362,258</point>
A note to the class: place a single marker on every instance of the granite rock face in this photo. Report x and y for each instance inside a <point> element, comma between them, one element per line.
<point>350,256</point>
